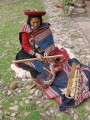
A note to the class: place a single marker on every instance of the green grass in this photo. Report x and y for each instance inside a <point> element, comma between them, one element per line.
<point>33,116</point>
<point>73,36</point>
<point>11,20</point>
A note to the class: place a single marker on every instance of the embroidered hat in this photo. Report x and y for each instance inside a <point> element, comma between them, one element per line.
<point>34,13</point>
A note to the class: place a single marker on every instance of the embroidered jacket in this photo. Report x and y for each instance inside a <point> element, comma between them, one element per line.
<point>41,38</point>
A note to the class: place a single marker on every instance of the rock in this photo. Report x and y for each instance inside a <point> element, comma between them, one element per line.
<point>26,113</point>
<point>27,87</point>
<point>38,93</point>
<point>13,86</point>
<point>9,92</point>
<point>52,111</point>
<point>38,102</point>
<point>87,107</point>
<point>48,113</point>
<point>19,85</point>
<point>13,114</point>
<point>44,97</point>
<point>31,97</point>
<point>1,107</point>
<point>43,114</point>
<point>27,101</point>
<point>24,79</point>
<point>32,90</point>
<point>15,108</point>
<point>13,118</point>
<point>1,112</point>
<point>1,117</point>
<point>6,113</point>
<point>89,117</point>
<point>19,91</point>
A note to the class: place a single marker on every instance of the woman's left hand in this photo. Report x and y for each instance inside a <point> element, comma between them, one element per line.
<point>47,59</point>
<point>39,56</point>
<point>45,54</point>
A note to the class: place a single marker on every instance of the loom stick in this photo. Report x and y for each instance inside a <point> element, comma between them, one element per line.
<point>32,59</point>
<point>70,81</point>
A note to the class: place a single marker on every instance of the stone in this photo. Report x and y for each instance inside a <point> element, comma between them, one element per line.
<point>27,101</point>
<point>13,86</point>
<point>1,107</point>
<point>32,90</point>
<point>15,108</point>
<point>26,113</point>
<point>48,113</point>
<point>13,114</point>
<point>9,92</point>
<point>13,118</point>
<point>38,93</point>
<point>87,107</point>
<point>19,91</point>
<point>38,102</point>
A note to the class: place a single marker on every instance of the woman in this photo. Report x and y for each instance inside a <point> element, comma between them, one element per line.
<point>37,41</point>
<point>68,75</point>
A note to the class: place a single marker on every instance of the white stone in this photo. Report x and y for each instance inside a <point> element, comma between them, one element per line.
<point>89,117</point>
<point>15,108</point>
<point>13,114</point>
<point>19,91</point>
<point>13,118</point>
<point>32,90</point>
<point>38,93</point>
<point>47,112</point>
<point>26,113</point>
<point>31,97</point>
<point>27,101</point>
<point>52,111</point>
<point>38,102</point>
<point>9,92</point>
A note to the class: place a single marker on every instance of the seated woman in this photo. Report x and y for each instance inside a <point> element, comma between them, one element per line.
<point>37,41</point>
<point>63,79</point>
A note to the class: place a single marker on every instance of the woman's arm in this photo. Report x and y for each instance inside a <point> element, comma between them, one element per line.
<point>26,46</point>
<point>25,43</point>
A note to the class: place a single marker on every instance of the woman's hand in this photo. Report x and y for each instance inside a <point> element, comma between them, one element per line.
<point>45,54</point>
<point>38,56</point>
<point>47,60</point>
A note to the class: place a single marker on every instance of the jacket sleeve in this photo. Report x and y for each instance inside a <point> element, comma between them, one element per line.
<point>25,43</point>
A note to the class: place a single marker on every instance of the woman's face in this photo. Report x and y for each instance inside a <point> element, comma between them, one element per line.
<point>35,23</point>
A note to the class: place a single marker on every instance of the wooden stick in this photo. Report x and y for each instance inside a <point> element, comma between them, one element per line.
<point>70,81</point>
<point>31,59</point>
<point>33,85</point>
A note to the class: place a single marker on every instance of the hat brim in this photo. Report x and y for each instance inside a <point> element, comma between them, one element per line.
<point>34,13</point>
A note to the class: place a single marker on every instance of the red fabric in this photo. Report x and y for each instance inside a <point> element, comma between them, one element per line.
<point>58,51</point>
<point>25,42</point>
<point>34,13</point>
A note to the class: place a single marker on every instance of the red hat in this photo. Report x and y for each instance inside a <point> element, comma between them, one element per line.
<point>34,13</point>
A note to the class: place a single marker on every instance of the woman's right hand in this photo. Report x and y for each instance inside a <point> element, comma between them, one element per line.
<point>39,56</point>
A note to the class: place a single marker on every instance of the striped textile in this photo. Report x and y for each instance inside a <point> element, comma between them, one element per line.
<point>54,90</point>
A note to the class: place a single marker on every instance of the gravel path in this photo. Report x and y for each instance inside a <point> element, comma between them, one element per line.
<point>67,33</point>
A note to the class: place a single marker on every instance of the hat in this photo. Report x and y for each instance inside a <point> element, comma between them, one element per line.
<point>34,13</point>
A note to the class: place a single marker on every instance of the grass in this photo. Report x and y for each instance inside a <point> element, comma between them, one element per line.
<point>11,20</point>
<point>74,36</point>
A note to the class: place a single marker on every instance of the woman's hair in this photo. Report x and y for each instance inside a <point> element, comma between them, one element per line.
<point>30,17</point>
